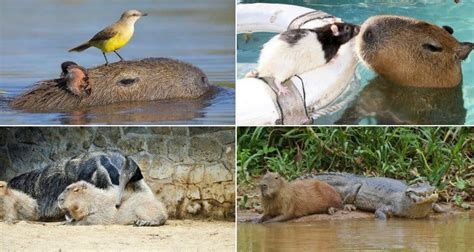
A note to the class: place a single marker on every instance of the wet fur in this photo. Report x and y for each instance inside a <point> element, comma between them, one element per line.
<point>283,200</point>
<point>102,169</point>
<point>144,80</point>
<point>16,205</point>
<point>89,205</point>
<point>411,52</point>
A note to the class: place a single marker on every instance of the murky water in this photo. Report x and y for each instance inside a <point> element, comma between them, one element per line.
<point>409,109</point>
<point>450,233</point>
<point>35,37</point>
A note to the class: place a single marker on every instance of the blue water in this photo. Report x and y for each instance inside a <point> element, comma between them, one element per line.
<point>35,36</point>
<point>441,12</point>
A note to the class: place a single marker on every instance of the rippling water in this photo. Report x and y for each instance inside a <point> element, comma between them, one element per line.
<point>35,37</point>
<point>441,12</point>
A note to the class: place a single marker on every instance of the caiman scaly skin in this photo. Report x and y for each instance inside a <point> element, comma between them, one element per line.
<point>384,196</point>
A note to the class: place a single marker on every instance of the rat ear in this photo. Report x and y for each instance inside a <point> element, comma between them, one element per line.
<point>448,29</point>
<point>464,50</point>
<point>335,30</point>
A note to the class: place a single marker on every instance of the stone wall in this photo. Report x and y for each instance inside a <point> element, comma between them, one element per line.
<point>190,168</point>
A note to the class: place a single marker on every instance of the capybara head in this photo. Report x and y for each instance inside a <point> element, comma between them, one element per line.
<point>3,188</point>
<point>125,81</point>
<point>412,52</point>
<point>270,184</point>
<point>73,199</point>
<point>344,31</point>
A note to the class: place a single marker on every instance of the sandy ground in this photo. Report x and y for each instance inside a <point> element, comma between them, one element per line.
<point>176,235</point>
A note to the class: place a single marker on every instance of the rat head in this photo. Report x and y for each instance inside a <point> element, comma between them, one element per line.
<point>412,52</point>
<point>421,193</point>
<point>3,188</point>
<point>270,184</point>
<point>344,31</point>
<point>76,78</point>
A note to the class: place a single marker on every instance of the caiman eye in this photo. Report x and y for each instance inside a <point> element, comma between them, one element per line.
<point>432,48</point>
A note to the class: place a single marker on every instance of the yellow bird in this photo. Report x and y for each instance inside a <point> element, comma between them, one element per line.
<point>114,36</point>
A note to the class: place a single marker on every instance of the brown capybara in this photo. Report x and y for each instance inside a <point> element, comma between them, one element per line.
<point>412,52</point>
<point>125,81</point>
<point>16,205</point>
<point>283,200</point>
<point>89,205</point>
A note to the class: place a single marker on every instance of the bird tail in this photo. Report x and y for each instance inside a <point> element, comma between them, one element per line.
<point>80,48</point>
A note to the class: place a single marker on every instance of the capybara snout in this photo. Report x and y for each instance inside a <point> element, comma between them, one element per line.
<point>412,52</point>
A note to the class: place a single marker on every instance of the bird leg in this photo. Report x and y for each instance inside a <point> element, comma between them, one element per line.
<point>121,59</point>
<point>106,61</point>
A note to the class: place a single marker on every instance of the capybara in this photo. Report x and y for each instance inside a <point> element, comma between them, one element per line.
<point>125,81</point>
<point>89,205</point>
<point>16,205</point>
<point>412,52</point>
<point>297,51</point>
<point>283,200</point>
<point>102,169</point>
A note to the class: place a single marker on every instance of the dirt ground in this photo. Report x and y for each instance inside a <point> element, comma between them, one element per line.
<point>176,235</point>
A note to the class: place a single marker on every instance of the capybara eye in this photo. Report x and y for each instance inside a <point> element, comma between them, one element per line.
<point>128,82</point>
<point>449,29</point>
<point>432,48</point>
<point>368,36</point>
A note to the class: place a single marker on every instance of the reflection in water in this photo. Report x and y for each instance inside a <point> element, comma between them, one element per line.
<point>389,103</point>
<point>451,233</point>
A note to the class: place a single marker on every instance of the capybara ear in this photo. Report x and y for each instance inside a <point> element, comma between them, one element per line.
<point>65,65</point>
<point>449,29</point>
<point>335,30</point>
<point>76,189</point>
<point>464,50</point>
<point>77,81</point>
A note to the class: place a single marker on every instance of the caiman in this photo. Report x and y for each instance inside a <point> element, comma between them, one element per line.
<point>384,196</point>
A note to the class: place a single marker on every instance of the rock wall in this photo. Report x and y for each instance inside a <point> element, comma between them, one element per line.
<point>190,168</point>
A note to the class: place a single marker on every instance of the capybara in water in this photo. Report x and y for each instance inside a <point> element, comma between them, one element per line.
<point>126,81</point>
<point>283,200</point>
<point>89,205</point>
<point>412,52</point>
<point>16,205</point>
<point>102,169</point>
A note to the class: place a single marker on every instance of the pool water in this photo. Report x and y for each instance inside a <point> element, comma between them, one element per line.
<point>440,12</point>
<point>35,37</point>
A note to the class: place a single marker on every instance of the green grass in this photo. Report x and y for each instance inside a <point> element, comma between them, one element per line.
<point>441,155</point>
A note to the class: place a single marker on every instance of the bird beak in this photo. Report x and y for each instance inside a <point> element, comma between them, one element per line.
<point>144,14</point>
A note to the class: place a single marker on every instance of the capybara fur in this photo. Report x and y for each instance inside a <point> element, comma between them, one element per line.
<point>89,205</point>
<point>384,102</point>
<point>283,200</point>
<point>125,81</point>
<point>412,52</point>
<point>102,169</point>
<point>16,205</point>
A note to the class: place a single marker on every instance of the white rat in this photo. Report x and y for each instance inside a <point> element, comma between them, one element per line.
<point>299,50</point>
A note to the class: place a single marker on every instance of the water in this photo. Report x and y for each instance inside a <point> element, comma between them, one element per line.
<point>35,37</point>
<point>450,233</point>
<point>441,12</point>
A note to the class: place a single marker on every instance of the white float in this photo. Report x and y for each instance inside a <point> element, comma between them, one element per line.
<point>255,99</point>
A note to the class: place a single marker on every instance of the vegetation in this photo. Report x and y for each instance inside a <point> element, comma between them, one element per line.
<point>441,155</point>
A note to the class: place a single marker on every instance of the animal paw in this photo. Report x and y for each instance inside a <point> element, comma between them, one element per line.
<point>142,223</point>
<point>349,207</point>
<point>251,74</point>
<point>332,210</point>
<point>283,91</point>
